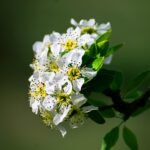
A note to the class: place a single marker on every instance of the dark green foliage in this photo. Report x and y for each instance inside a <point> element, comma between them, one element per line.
<point>96,117</point>
<point>110,139</point>
<point>141,110</point>
<point>105,79</point>
<point>130,139</point>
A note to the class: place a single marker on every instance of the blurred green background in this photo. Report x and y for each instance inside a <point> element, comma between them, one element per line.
<point>25,21</point>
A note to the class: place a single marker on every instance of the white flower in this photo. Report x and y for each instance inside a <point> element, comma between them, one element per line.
<point>59,117</point>
<point>71,63</point>
<point>91,27</point>
<point>34,104</point>
<point>78,113</point>
<point>71,40</point>
<point>38,90</point>
<point>41,48</point>
<point>49,103</point>
<point>60,82</point>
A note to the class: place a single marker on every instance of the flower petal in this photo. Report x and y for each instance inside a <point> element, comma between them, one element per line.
<point>78,99</point>
<point>56,49</point>
<point>77,84</point>
<point>73,57</point>
<point>108,60</point>
<point>88,72</point>
<point>62,130</point>
<point>58,118</point>
<point>104,28</point>
<point>68,87</point>
<point>49,103</point>
<point>73,22</point>
<point>87,109</point>
<point>34,104</point>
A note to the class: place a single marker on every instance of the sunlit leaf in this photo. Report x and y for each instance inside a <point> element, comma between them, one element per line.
<point>104,36</point>
<point>97,63</point>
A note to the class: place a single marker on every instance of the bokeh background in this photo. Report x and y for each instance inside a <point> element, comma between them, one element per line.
<point>25,21</point>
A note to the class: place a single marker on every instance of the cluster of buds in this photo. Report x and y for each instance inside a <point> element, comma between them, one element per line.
<point>60,69</point>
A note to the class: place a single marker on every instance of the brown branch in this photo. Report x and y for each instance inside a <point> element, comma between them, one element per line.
<point>124,107</point>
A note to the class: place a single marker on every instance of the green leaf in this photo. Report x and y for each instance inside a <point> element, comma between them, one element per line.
<point>96,117</point>
<point>130,138</point>
<point>103,47</point>
<point>137,82</point>
<point>133,95</point>
<point>97,63</point>
<point>102,43</point>
<point>109,113</point>
<point>110,139</point>
<point>93,50</point>
<point>104,36</point>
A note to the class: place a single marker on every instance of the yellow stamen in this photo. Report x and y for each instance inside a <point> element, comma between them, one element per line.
<point>54,67</point>
<point>70,44</point>
<point>63,98</point>
<point>47,118</point>
<point>40,91</point>
<point>73,73</point>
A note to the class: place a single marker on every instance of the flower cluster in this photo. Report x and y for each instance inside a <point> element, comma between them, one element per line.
<point>59,74</point>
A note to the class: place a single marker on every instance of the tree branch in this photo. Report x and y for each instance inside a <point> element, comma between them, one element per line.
<point>124,107</point>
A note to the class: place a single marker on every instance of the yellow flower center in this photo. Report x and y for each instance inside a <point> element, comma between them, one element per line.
<point>70,44</point>
<point>63,99</point>
<point>40,91</point>
<point>54,67</point>
<point>88,30</point>
<point>76,115</point>
<point>47,118</point>
<point>73,73</point>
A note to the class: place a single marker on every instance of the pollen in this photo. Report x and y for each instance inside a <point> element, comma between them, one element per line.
<point>39,91</point>
<point>70,44</point>
<point>54,67</point>
<point>63,98</point>
<point>47,118</point>
<point>73,73</point>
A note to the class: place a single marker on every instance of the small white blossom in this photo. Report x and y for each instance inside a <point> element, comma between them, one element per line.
<point>70,63</point>
<point>91,27</point>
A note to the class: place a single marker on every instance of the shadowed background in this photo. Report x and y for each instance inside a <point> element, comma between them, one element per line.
<point>22,23</point>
